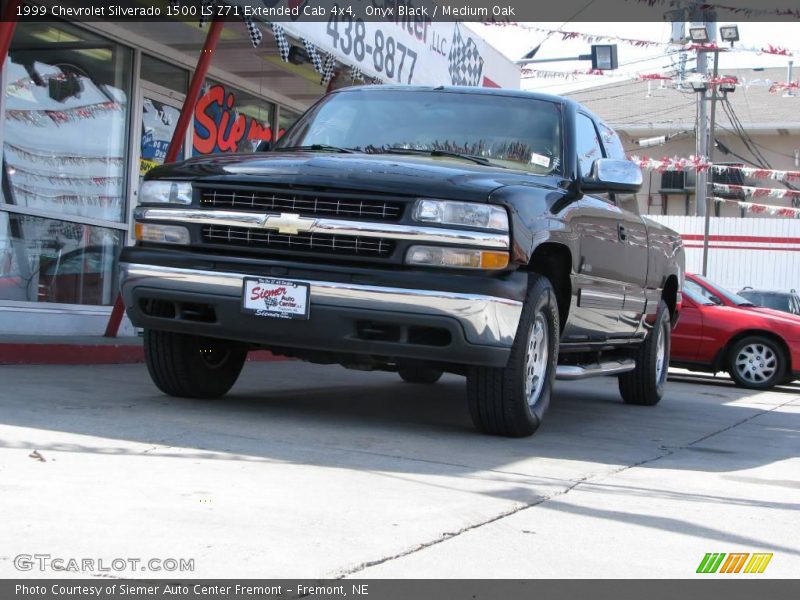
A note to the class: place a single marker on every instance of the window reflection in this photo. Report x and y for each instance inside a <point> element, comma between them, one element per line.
<point>46,260</point>
<point>65,126</point>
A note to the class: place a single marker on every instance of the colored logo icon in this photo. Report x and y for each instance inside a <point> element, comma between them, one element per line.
<point>735,562</point>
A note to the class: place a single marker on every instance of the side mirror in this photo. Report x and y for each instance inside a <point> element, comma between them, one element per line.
<point>715,299</point>
<point>264,146</point>
<point>613,175</point>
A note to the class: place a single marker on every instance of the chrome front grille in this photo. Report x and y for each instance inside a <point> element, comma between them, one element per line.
<point>309,203</point>
<point>263,239</point>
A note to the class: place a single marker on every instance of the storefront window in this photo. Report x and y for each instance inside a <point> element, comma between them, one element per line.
<point>64,142</point>
<point>164,74</point>
<point>66,122</point>
<point>160,109</point>
<point>159,120</point>
<point>285,120</point>
<point>45,260</point>
<point>229,120</point>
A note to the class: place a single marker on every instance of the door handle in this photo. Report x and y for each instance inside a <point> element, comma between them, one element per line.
<point>623,234</point>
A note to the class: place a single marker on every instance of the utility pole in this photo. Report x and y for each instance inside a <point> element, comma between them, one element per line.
<point>711,145</point>
<point>701,142</point>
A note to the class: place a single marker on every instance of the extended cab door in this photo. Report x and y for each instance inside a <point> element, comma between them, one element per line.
<point>632,233</point>
<point>608,269</point>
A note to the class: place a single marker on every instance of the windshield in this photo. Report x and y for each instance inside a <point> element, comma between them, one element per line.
<point>782,302</point>
<point>506,131</point>
<point>735,298</point>
<point>695,293</point>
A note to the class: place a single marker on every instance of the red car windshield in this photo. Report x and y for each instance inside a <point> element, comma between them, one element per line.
<point>728,295</point>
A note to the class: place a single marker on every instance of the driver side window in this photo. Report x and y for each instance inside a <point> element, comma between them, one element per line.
<point>588,144</point>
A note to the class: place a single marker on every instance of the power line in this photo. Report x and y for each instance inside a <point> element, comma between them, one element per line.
<point>655,112</point>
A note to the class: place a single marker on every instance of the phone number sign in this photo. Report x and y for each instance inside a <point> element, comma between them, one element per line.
<point>409,49</point>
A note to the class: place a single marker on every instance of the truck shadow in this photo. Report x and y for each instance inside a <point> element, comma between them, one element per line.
<point>278,410</point>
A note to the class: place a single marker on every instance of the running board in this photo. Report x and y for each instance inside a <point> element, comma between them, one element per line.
<point>609,367</point>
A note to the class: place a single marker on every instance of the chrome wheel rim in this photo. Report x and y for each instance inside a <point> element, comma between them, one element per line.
<point>536,359</point>
<point>661,354</point>
<point>756,363</point>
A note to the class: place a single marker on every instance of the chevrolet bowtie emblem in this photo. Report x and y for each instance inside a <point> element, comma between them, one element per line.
<point>289,223</point>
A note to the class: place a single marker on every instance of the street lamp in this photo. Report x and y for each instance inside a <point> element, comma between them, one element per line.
<point>603,57</point>
<point>699,35</point>
<point>729,33</point>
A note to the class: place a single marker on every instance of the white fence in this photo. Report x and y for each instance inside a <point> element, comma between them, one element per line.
<point>761,253</point>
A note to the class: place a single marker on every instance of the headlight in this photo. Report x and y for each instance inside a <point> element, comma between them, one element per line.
<point>162,192</point>
<point>470,214</point>
<point>458,258</point>
<point>161,234</point>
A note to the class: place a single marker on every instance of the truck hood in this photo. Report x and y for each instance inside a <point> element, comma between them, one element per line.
<point>393,174</point>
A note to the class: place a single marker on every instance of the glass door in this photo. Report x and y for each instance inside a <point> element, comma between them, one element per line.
<point>159,117</point>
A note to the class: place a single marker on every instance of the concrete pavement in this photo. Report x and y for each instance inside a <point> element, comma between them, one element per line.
<point>309,471</point>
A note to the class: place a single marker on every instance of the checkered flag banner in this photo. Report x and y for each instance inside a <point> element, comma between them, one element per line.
<point>280,41</point>
<point>466,63</point>
<point>328,69</point>
<point>356,74</point>
<point>252,29</point>
<point>313,56</point>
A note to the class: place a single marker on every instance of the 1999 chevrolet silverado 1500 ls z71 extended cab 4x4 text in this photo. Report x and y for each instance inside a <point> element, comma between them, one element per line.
<point>419,230</point>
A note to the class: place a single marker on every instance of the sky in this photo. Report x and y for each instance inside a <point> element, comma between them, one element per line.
<point>514,42</point>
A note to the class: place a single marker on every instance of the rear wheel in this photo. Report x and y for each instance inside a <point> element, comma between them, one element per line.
<point>757,363</point>
<point>645,385</point>
<point>191,366</point>
<point>420,374</point>
<point>512,400</point>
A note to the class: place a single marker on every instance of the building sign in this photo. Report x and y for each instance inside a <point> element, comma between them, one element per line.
<point>219,126</point>
<point>413,51</point>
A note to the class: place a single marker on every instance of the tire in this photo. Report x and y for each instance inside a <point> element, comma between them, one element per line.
<point>189,366</point>
<point>511,401</point>
<point>421,374</point>
<point>644,386</point>
<point>756,363</point>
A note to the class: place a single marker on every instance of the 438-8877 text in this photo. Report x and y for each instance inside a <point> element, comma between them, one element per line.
<point>391,58</point>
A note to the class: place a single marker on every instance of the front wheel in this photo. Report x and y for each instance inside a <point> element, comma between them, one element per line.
<point>512,400</point>
<point>756,363</point>
<point>645,385</point>
<point>191,366</point>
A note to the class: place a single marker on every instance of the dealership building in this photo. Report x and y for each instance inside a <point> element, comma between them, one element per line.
<point>88,108</point>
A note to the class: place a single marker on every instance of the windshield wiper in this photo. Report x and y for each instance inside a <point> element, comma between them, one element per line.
<point>476,159</point>
<point>317,148</point>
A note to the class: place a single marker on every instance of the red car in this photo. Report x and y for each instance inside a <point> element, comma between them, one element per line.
<point>758,347</point>
<point>719,295</point>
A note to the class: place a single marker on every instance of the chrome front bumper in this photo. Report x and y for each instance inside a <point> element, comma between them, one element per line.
<point>486,320</point>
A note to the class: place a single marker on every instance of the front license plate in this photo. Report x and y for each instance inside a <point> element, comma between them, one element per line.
<point>276,298</point>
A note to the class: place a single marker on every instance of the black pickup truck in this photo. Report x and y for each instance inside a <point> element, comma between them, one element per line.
<point>420,230</point>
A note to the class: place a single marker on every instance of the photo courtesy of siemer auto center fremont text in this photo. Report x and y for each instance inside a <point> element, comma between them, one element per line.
<point>431,299</point>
